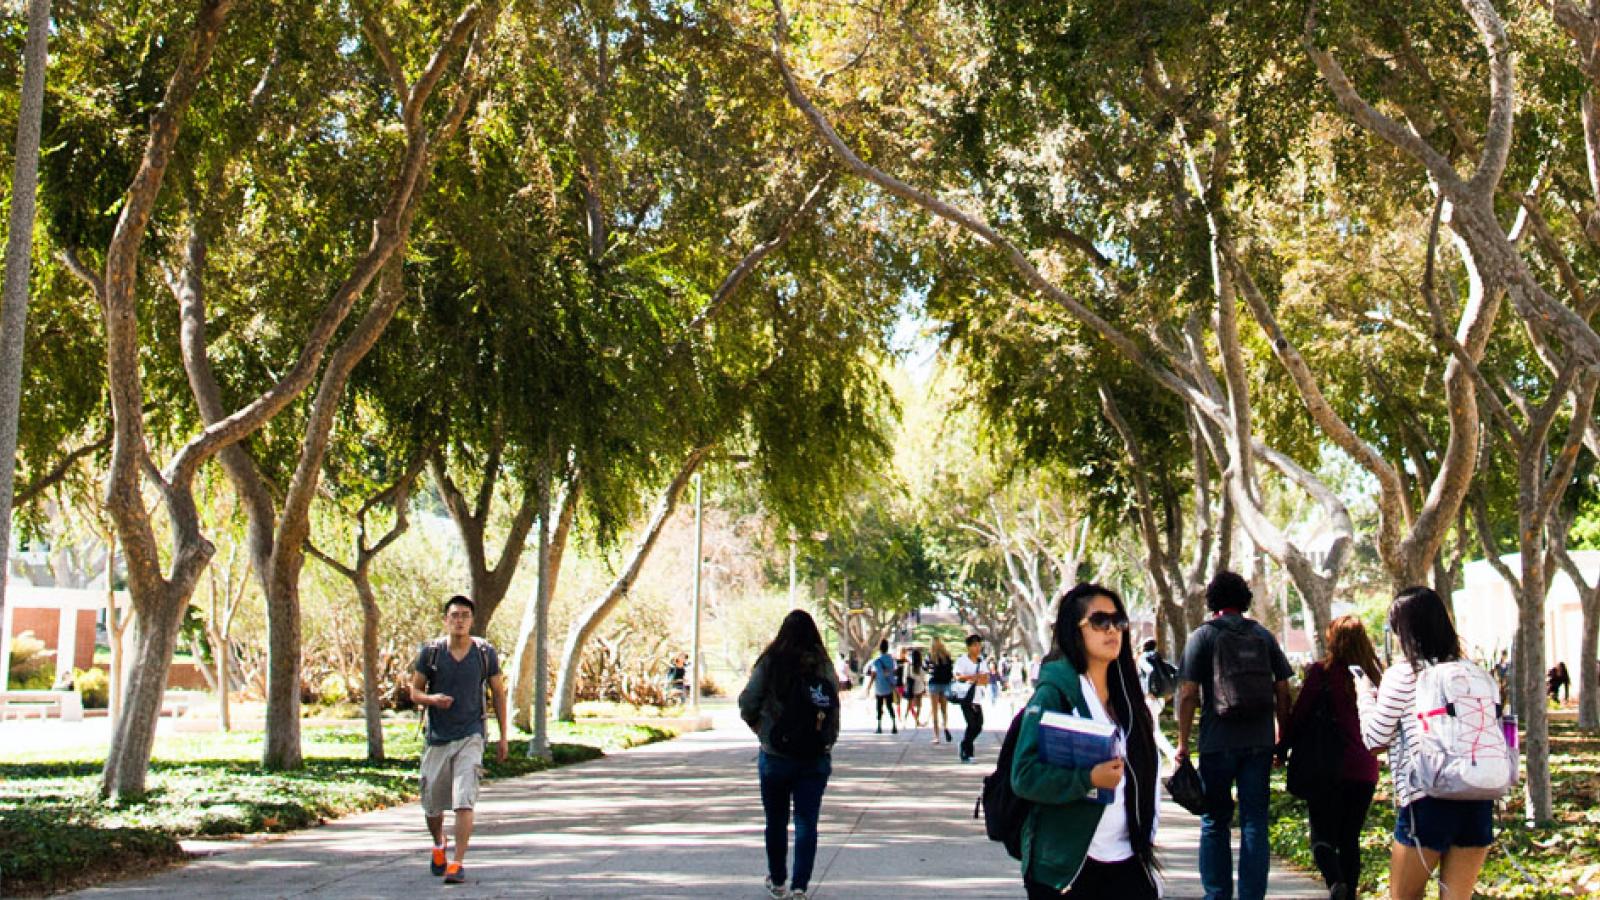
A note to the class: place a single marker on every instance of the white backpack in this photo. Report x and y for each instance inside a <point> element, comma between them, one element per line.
<point>1462,753</point>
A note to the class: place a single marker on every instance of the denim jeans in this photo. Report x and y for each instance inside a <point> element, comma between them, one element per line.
<point>800,781</point>
<point>1220,770</point>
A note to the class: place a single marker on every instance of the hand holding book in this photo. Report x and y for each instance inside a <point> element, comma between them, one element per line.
<point>1075,742</point>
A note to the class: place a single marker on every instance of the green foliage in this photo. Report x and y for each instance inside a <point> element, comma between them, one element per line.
<point>94,686</point>
<point>32,666</point>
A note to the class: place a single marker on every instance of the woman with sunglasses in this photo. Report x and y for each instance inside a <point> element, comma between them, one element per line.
<point>1073,845</point>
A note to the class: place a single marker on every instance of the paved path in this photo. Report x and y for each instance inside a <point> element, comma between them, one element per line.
<point>679,819</point>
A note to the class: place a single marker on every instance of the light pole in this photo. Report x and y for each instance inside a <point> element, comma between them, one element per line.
<point>694,659</point>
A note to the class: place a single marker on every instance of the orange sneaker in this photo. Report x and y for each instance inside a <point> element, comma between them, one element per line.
<point>436,863</point>
<point>455,874</point>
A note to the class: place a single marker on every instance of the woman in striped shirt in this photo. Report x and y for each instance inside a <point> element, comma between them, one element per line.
<point>1429,832</point>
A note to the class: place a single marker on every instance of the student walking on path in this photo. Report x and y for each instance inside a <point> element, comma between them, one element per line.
<point>792,704</point>
<point>1158,681</point>
<point>882,673</point>
<point>941,674</point>
<point>1073,845</point>
<point>1433,832</point>
<point>447,681</point>
<point>972,674</point>
<point>916,682</point>
<point>1236,674</point>
<point>1326,728</point>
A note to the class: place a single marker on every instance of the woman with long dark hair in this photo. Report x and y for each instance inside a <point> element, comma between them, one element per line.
<point>792,704</point>
<point>1073,845</point>
<point>1339,810</point>
<point>1452,836</point>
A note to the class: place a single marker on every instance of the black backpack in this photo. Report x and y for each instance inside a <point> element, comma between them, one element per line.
<point>1004,813</point>
<point>1162,678</point>
<point>1242,685</point>
<point>808,720</point>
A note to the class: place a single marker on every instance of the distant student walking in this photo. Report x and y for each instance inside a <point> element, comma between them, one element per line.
<point>448,680</point>
<point>792,704</point>
<point>916,683</point>
<point>941,674</point>
<point>1236,674</point>
<point>1158,681</point>
<point>973,675</point>
<point>1073,845</point>
<point>1435,684</point>
<point>1326,727</point>
<point>882,672</point>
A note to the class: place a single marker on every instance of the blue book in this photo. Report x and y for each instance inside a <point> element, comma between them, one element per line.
<point>1074,742</point>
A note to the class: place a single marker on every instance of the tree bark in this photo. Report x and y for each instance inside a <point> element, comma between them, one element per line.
<point>158,599</point>
<point>489,582</point>
<point>526,693</point>
<point>19,266</point>
<point>539,747</point>
<point>593,616</point>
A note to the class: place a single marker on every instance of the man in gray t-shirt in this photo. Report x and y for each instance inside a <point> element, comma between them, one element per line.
<point>447,681</point>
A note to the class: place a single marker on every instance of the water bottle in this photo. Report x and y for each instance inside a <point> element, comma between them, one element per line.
<point>1508,727</point>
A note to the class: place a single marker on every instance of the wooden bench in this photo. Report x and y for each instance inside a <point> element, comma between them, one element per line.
<point>67,705</point>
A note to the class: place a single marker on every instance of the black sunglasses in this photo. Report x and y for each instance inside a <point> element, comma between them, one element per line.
<point>1105,622</point>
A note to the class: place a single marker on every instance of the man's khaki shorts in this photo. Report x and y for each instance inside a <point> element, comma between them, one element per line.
<point>450,774</point>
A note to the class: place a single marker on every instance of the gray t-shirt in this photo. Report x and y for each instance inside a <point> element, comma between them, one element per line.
<point>1218,734</point>
<point>462,680</point>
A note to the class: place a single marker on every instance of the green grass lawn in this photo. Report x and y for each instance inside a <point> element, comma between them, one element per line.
<point>1562,860</point>
<point>56,831</point>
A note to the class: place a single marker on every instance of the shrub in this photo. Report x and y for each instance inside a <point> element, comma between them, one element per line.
<point>333,689</point>
<point>32,666</point>
<point>94,686</point>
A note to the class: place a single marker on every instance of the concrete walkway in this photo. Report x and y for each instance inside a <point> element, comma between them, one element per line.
<point>680,819</point>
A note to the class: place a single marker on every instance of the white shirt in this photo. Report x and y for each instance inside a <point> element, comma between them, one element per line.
<point>965,666</point>
<point>1385,717</point>
<point>1110,843</point>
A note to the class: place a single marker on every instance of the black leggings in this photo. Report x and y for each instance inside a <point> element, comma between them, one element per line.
<point>1336,820</point>
<point>885,701</point>
<point>1126,880</point>
<point>973,713</point>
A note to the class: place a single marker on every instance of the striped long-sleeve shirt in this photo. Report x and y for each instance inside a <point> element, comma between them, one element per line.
<point>1382,721</point>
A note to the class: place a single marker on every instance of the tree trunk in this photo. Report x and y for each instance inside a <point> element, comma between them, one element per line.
<point>1534,714</point>
<point>19,266</point>
<point>593,616</point>
<point>1589,663</point>
<point>371,691</point>
<point>539,747</point>
<point>133,738</point>
<point>525,693</point>
<point>222,647</point>
<point>281,749</point>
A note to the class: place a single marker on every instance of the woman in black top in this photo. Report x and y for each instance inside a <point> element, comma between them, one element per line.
<point>941,672</point>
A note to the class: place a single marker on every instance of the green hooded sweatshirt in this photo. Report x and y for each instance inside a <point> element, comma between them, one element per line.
<point>1061,825</point>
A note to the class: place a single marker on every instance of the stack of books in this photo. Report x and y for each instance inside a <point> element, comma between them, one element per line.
<point>1074,742</point>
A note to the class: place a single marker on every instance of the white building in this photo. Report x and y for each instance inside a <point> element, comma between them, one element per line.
<point>1486,612</point>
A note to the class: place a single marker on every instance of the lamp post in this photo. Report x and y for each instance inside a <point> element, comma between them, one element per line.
<point>694,659</point>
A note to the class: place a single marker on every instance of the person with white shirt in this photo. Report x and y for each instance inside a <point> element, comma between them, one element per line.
<point>1074,845</point>
<point>973,674</point>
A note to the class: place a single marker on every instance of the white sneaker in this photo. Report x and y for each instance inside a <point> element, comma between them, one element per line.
<point>778,891</point>
<point>799,895</point>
